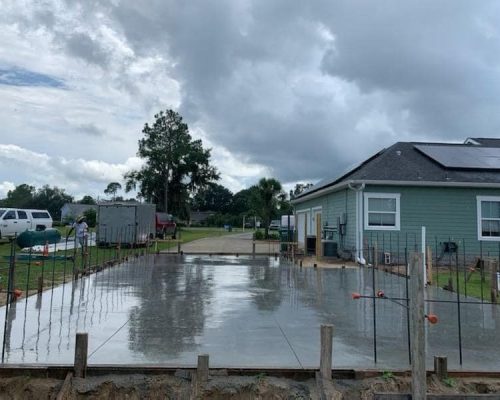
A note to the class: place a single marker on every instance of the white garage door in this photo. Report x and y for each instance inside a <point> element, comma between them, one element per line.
<point>301,228</point>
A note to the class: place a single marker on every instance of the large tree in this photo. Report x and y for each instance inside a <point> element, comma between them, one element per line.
<point>213,197</point>
<point>300,188</point>
<point>175,164</point>
<point>243,201</point>
<point>20,197</point>
<point>112,189</point>
<point>266,199</point>
<point>51,199</point>
<point>87,199</point>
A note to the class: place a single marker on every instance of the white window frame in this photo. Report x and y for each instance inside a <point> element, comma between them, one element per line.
<point>370,195</point>
<point>480,236</point>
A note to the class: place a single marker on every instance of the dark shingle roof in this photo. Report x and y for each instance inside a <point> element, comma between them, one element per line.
<point>487,142</point>
<point>404,163</point>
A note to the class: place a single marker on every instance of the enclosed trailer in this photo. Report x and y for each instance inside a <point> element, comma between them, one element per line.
<point>125,223</point>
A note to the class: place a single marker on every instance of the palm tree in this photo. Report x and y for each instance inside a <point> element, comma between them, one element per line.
<point>265,201</point>
<point>112,188</point>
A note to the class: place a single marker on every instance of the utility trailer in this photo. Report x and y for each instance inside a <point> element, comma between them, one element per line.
<point>124,223</point>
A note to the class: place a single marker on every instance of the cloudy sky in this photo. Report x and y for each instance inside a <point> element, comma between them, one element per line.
<point>297,90</point>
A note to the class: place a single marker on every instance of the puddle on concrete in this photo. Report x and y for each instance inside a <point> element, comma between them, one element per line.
<point>243,312</point>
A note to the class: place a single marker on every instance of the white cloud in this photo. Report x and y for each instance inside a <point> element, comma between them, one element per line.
<point>5,186</point>
<point>79,176</point>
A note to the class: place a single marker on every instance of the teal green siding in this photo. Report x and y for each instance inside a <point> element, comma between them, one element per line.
<point>334,206</point>
<point>449,214</point>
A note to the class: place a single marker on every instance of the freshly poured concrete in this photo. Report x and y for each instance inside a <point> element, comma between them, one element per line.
<point>243,312</point>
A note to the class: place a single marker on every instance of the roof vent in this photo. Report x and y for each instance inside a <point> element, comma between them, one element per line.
<point>398,152</point>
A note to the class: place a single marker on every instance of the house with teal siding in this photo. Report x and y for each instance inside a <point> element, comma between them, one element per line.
<point>407,197</point>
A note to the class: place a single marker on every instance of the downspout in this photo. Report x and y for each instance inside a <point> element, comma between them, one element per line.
<point>358,188</point>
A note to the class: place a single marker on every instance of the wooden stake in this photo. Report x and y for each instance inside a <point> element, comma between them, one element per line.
<point>441,367</point>
<point>81,350</point>
<point>493,280</point>
<point>40,284</point>
<point>319,248</point>
<point>202,368</point>
<point>428,259</point>
<point>325,361</point>
<point>417,315</point>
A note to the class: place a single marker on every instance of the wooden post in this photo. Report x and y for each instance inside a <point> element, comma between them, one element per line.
<point>325,361</point>
<point>40,284</point>
<point>493,280</point>
<point>429,265</point>
<point>253,249</point>
<point>178,247</point>
<point>319,248</point>
<point>202,368</point>
<point>441,367</point>
<point>81,350</point>
<point>417,320</point>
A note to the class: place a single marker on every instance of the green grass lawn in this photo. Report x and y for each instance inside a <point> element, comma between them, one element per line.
<point>474,286</point>
<point>56,270</point>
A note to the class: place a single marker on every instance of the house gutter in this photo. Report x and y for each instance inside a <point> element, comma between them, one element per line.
<point>358,189</point>
<point>343,185</point>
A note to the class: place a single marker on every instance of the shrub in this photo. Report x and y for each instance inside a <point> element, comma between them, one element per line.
<point>273,236</point>
<point>258,235</point>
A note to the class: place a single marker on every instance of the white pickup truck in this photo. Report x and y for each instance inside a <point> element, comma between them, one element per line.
<point>15,221</point>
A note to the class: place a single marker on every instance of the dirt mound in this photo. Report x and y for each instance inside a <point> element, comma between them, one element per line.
<point>260,387</point>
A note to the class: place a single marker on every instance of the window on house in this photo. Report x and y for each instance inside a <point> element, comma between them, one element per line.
<point>381,211</point>
<point>488,217</point>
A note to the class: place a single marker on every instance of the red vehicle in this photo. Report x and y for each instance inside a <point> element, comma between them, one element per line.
<point>165,225</point>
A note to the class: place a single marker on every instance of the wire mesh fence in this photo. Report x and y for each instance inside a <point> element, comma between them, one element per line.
<point>33,269</point>
<point>456,273</point>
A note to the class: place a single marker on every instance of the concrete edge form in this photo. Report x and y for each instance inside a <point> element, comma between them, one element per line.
<point>61,371</point>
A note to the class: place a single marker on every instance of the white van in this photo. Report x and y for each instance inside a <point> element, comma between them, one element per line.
<point>15,221</point>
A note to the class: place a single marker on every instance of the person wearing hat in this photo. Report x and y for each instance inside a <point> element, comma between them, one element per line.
<point>81,232</point>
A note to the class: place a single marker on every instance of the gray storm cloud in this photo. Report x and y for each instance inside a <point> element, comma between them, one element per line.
<point>303,89</point>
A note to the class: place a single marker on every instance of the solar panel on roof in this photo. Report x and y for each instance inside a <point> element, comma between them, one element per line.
<point>466,157</point>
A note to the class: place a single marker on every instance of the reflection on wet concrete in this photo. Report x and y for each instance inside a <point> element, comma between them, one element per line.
<point>243,312</point>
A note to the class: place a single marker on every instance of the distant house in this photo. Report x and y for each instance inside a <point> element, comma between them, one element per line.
<point>453,190</point>
<point>199,217</point>
<point>70,211</point>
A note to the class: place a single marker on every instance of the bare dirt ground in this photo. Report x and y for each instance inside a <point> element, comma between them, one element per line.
<point>228,387</point>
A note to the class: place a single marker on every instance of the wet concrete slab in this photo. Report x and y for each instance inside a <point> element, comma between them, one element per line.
<point>247,312</point>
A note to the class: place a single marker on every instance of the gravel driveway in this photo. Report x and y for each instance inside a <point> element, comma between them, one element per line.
<point>240,243</point>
